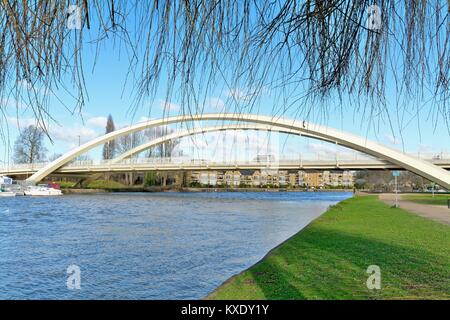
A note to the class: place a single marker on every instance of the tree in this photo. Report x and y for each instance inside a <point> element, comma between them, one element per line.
<point>109,149</point>
<point>54,156</point>
<point>126,143</point>
<point>29,146</point>
<point>151,179</point>
<point>163,150</point>
<point>129,141</point>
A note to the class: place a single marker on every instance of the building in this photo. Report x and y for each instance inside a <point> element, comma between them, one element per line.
<point>338,179</point>
<point>232,178</point>
<point>302,179</point>
<point>256,178</point>
<point>208,178</point>
<point>348,178</point>
<point>292,179</point>
<point>313,179</point>
<point>283,178</point>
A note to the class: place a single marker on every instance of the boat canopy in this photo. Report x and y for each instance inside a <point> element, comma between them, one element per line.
<point>5,180</point>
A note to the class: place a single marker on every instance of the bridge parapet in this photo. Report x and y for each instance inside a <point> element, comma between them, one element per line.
<point>175,163</point>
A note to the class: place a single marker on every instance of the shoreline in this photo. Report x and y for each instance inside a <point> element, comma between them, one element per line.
<point>270,252</point>
<point>188,189</point>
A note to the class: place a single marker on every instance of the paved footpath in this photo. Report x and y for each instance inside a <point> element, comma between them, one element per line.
<point>437,213</point>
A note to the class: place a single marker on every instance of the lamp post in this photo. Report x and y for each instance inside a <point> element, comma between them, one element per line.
<point>396,174</point>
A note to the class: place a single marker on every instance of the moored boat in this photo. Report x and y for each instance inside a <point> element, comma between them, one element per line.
<point>5,193</point>
<point>42,190</point>
<point>5,187</point>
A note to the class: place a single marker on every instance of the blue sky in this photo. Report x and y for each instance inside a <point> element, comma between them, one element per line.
<point>415,132</point>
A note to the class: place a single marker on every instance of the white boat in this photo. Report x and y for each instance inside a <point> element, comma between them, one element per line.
<point>4,193</point>
<point>41,190</point>
<point>4,180</point>
<point>5,187</point>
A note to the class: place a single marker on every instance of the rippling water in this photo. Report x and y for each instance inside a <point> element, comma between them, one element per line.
<point>143,246</point>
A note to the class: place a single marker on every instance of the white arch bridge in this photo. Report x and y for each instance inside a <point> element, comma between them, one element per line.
<point>386,157</point>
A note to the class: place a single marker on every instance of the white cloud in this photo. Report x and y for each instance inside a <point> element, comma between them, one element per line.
<point>425,148</point>
<point>216,103</point>
<point>391,139</point>
<point>247,94</point>
<point>25,84</point>
<point>97,122</point>
<point>12,103</point>
<point>144,119</point>
<point>321,148</point>
<point>21,123</point>
<point>239,95</point>
<point>72,134</point>
<point>64,133</point>
<point>168,106</point>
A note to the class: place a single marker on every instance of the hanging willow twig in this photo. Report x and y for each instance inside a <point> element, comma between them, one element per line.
<point>320,48</point>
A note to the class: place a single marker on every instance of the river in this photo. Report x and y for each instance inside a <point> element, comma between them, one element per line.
<point>143,245</point>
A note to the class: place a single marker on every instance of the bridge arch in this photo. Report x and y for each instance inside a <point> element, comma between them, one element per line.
<point>201,130</point>
<point>420,167</point>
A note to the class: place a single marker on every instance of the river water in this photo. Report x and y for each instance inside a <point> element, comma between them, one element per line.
<point>143,246</point>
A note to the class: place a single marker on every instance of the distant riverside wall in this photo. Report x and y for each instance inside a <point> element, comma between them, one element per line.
<point>190,189</point>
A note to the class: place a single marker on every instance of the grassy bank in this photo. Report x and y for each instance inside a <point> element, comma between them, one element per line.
<point>329,258</point>
<point>96,184</point>
<point>438,199</point>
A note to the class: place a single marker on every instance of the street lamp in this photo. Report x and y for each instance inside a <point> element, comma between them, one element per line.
<point>396,174</point>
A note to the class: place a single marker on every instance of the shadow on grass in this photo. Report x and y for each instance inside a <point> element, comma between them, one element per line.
<point>324,264</point>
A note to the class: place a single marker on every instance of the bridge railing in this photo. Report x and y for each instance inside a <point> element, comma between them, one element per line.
<point>441,158</point>
<point>25,166</point>
<point>207,162</point>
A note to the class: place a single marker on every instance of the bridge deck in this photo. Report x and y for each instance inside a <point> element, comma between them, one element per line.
<point>137,165</point>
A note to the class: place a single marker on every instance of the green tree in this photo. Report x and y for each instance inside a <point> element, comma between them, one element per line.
<point>151,179</point>
<point>109,149</point>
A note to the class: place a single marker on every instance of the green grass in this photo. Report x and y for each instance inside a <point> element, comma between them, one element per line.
<point>329,258</point>
<point>438,199</point>
<point>105,184</point>
<point>96,184</point>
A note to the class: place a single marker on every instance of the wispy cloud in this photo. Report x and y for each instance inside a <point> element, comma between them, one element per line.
<point>168,106</point>
<point>64,133</point>
<point>12,103</point>
<point>321,148</point>
<point>391,139</point>
<point>72,134</point>
<point>239,95</point>
<point>97,122</point>
<point>216,104</point>
<point>30,87</point>
<point>246,94</point>
<point>425,148</point>
<point>20,123</point>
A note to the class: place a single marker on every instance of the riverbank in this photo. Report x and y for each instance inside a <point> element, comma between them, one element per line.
<point>329,258</point>
<point>190,189</point>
